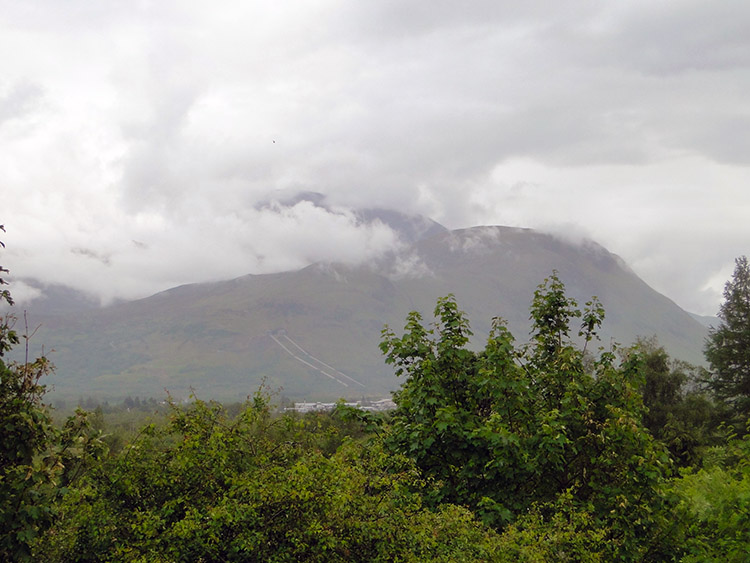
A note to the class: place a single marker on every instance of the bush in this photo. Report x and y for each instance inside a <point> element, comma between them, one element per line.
<point>210,488</point>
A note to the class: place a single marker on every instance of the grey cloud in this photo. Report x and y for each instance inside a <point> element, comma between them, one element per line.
<point>393,19</point>
<point>212,247</point>
<point>19,100</point>
<point>23,293</point>
<point>157,167</point>
<point>721,136</point>
<point>165,134</point>
<point>408,266</point>
<point>94,255</point>
<point>678,37</point>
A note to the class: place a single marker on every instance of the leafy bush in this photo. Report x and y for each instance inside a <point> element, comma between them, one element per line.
<point>506,429</point>
<point>37,460</point>
<point>209,488</point>
<point>714,506</point>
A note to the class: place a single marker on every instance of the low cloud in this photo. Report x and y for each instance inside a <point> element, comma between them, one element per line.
<point>205,247</point>
<point>23,293</point>
<point>179,126</point>
<point>19,101</point>
<point>409,266</point>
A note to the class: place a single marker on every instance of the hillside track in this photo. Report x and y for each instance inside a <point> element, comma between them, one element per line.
<point>311,361</point>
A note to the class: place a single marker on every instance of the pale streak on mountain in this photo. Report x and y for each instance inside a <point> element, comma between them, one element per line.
<point>321,362</point>
<point>302,360</point>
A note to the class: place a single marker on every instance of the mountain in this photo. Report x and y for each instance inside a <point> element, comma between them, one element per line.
<point>410,228</point>
<point>315,332</point>
<point>706,320</point>
<point>54,299</point>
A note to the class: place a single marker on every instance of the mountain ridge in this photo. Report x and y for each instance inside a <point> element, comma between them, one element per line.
<point>218,338</point>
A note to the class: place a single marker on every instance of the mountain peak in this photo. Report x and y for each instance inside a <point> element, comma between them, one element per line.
<point>214,337</point>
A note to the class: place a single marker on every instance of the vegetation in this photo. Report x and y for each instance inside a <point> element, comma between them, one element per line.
<point>714,504</point>
<point>545,451</point>
<point>507,431</point>
<point>728,345</point>
<point>38,461</point>
<point>679,413</point>
<point>255,488</point>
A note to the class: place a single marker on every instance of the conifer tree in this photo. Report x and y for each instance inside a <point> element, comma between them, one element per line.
<point>728,345</point>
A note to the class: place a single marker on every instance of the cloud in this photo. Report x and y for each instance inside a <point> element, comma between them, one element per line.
<point>23,293</point>
<point>176,123</point>
<point>19,101</point>
<point>409,266</point>
<point>210,246</point>
<point>87,253</point>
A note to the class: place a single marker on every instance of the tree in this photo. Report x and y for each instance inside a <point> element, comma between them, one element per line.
<point>8,337</point>
<point>714,505</point>
<point>727,347</point>
<point>678,412</point>
<point>207,487</point>
<point>505,430</point>
<point>37,459</point>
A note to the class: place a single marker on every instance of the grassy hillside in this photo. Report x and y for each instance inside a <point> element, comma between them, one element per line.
<point>219,338</point>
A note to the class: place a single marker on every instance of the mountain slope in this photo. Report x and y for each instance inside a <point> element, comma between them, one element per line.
<point>315,332</point>
<point>497,269</point>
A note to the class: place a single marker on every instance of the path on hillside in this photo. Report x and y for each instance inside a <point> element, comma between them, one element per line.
<point>326,369</point>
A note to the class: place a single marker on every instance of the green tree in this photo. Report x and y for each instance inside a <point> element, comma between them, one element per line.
<point>678,412</point>
<point>727,347</point>
<point>714,505</point>
<point>504,430</point>
<point>37,460</point>
<point>8,336</point>
<point>205,487</point>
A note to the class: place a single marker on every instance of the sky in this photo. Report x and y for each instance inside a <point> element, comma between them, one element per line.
<point>148,144</point>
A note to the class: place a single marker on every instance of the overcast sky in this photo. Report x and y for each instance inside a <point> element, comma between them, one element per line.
<point>144,144</point>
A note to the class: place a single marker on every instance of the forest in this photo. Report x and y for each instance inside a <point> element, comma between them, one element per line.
<point>559,448</point>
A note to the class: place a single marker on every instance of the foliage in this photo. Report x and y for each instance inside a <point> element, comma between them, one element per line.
<point>562,532</point>
<point>546,442</point>
<point>505,429</point>
<point>209,488</point>
<point>4,293</point>
<point>37,460</point>
<point>678,413</point>
<point>727,347</point>
<point>714,505</point>
<point>327,431</point>
<point>8,336</point>
<point>27,480</point>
